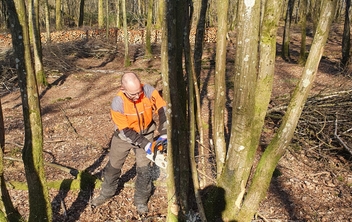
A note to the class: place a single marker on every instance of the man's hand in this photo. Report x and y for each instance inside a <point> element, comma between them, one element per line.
<point>162,139</point>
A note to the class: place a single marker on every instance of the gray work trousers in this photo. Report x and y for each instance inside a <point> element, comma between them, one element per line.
<point>119,150</point>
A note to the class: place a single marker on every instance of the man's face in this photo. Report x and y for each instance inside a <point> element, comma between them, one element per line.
<point>133,94</point>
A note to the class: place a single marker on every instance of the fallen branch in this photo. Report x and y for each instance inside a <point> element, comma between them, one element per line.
<point>340,140</point>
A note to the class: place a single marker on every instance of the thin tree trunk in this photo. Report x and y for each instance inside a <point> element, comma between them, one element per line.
<point>303,21</point>
<point>47,21</point>
<point>2,129</point>
<point>193,93</point>
<point>346,37</point>
<point>58,18</point>
<point>33,9</point>
<point>81,13</point>
<point>118,20</point>
<point>148,46</point>
<point>125,32</point>
<point>285,49</point>
<point>220,87</point>
<point>32,154</point>
<point>101,13</point>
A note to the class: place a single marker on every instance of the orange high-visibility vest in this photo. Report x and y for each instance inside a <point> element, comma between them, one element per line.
<point>137,115</point>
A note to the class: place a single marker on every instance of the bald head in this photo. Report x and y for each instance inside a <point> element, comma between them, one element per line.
<point>130,82</point>
<point>131,86</point>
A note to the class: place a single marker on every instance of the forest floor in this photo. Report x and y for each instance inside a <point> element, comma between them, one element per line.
<point>84,77</point>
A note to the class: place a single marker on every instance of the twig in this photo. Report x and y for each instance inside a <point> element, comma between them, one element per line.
<point>261,216</point>
<point>340,140</point>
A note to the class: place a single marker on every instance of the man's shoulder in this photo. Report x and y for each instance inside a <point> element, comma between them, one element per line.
<point>148,90</point>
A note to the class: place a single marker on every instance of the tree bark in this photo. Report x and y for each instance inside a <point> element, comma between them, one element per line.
<point>240,154</point>
<point>47,21</point>
<point>58,19</point>
<point>39,201</point>
<point>2,129</point>
<point>276,149</point>
<point>346,37</point>
<point>125,32</point>
<point>148,46</point>
<point>285,50</point>
<point>220,86</point>
<point>81,13</point>
<point>303,22</point>
<point>101,13</point>
<point>33,12</point>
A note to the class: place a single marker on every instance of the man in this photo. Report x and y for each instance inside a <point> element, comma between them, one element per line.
<point>132,112</point>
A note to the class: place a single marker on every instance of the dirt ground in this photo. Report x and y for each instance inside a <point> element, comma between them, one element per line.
<point>84,78</point>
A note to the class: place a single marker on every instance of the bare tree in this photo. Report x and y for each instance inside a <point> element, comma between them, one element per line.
<point>148,46</point>
<point>285,49</point>
<point>34,30</point>
<point>125,33</point>
<point>81,13</point>
<point>100,13</point>
<point>237,194</point>
<point>303,23</point>
<point>47,20</point>
<point>176,96</point>
<point>346,37</point>
<point>32,153</point>
<point>58,19</point>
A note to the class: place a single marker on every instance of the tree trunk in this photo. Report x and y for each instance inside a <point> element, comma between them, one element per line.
<point>285,50</point>
<point>240,154</point>
<point>47,21</point>
<point>39,201</point>
<point>118,20</point>
<point>58,18</point>
<point>276,149</point>
<point>346,37</point>
<point>34,30</point>
<point>159,13</point>
<point>81,13</point>
<point>175,94</point>
<point>2,129</point>
<point>303,21</point>
<point>220,86</point>
<point>148,46</point>
<point>101,13</point>
<point>193,103</point>
<point>125,33</point>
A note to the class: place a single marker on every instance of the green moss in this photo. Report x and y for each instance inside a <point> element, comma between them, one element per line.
<point>83,181</point>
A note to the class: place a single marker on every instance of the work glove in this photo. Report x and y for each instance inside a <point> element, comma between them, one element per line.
<point>156,151</point>
<point>155,145</point>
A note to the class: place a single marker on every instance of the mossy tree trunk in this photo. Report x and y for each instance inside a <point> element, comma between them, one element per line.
<point>278,145</point>
<point>34,30</point>
<point>148,45</point>
<point>237,198</point>
<point>32,154</point>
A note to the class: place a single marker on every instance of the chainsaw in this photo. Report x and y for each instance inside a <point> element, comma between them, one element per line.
<point>158,155</point>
